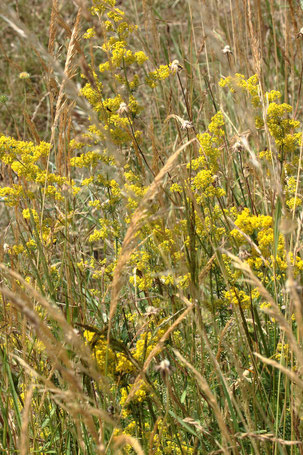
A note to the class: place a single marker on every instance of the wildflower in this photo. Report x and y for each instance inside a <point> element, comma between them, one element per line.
<point>140,57</point>
<point>28,213</point>
<point>24,75</point>
<point>250,85</point>
<point>90,32</point>
<point>175,188</point>
<point>159,74</point>
<point>294,202</point>
<point>116,15</point>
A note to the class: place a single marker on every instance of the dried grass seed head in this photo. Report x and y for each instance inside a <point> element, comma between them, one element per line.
<point>300,34</point>
<point>175,66</point>
<point>164,368</point>
<point>123,109</point>
<point>227,50</point>
<point>151,311</point>
<point>186,125</point>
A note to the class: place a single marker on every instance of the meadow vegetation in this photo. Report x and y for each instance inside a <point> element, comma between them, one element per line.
<point>151,227</point>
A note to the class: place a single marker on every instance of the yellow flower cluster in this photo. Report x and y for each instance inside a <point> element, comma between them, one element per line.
<point>236,297</point>
<point>210,224</point>
<point>161,73</point>
<point>281,127</point>
<point>100,6</point>
<point>203,184</point>
<point>86,159</point>
<point>171,446</point>
<point>138,397</point>
<point>104,355</point>
<point>12,194</point>
<point>23,156</point>
<point>251,86</point>
<point>210,143</point>
<point>164,441</point>
<point>93,95</point>
<point>90,33</point>
<point>30,214</point>
<point>282,352</point>
<point>27,161</point>
<point>294,202</point>
<point>250,223</point>
<point>107,228</point>
<point>258,226</point>
<point>175,188</point>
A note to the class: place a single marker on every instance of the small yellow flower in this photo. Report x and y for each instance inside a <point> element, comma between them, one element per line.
<point>24,75</point>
